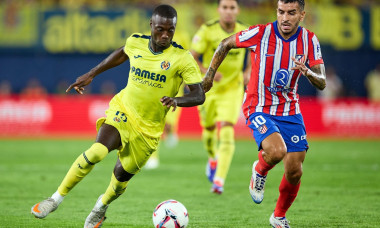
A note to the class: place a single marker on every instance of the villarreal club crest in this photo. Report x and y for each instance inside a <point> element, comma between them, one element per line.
<point>165,65</point>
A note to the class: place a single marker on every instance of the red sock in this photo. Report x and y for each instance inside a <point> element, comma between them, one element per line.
<point>288,194</point>
<point>262,167</point>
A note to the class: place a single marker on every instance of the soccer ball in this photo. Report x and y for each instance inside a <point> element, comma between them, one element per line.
<point>170,214</point>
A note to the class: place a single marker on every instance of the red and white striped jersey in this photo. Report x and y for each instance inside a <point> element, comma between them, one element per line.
<point>272,88</point>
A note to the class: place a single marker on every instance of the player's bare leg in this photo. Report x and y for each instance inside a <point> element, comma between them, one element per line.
<point>289,186</point>
<point>108,139</point>
<point>226,151</point>
<point>209,138</point>
<point>116,188</point>
<point>274,150</point>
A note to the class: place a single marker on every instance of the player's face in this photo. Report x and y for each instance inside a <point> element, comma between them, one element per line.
<point>228,11</point>
<point>289,15</point>
<point>162,31</point>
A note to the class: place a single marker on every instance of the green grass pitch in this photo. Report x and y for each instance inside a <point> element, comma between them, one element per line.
<point>340,186</point>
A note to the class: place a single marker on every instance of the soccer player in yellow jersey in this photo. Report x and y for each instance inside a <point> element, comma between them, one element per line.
<point>136,116</point>
<point>224,100</point>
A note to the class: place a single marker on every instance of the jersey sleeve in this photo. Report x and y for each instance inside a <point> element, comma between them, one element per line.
<point>249,37</point>
<point>199,42</point>
<point>190,71</point>
<point>315,53</point>
<point>128,47</point>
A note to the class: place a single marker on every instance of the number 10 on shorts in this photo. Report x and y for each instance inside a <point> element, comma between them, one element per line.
<point>258,121</point>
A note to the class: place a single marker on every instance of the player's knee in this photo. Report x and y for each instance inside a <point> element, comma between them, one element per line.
<point>95,153</point>
<point>227,136</point>
<point>120,174</point>
<point>276,152</point>
<point>210,128</point>
<point>294,176</point>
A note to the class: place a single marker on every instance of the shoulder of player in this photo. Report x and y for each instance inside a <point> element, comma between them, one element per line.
<point>139,36</point>
<point>242,24</point>
<point>177,46</point>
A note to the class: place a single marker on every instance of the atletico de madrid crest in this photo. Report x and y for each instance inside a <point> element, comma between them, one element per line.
<point>165,65</point>
<point>262,129</point>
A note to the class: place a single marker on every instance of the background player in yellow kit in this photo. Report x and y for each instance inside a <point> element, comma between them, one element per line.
<point>136,116</point>
<point>224,100</point>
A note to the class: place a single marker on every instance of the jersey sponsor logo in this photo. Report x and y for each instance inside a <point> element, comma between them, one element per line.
<point>318,52</point>
<point>165,65</point>
<point>299,57</point>
<point>280,82</point>
<point>148,75</point>
<point>296,138</point>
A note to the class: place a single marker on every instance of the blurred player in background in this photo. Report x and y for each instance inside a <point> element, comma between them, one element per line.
<point>223,102</point>
<point>372,83</point>
<point>136,116</point>
<point>271,100</point>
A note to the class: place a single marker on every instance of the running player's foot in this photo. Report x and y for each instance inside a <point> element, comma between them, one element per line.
<point>278,222</point>
<point>211,169</point>
<point>42,209</point>
<point>256,186</point>
<point>217,189</point>
<point>152,163</point>
<point>96,217</point>
<point>171,140</point>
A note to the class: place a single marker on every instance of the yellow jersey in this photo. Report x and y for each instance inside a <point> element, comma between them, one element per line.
<point>153,75</point>
<point>205,42</point>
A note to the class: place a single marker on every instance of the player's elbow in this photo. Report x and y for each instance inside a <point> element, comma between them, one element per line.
<point>322,86</point>
<point>202,98</point>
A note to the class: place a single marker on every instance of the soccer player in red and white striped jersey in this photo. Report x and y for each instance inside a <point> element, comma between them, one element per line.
<point>284,51</point>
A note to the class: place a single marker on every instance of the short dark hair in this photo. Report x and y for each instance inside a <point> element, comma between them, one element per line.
<point>301,3</point>
<point>165,11</point>
<point>237,1</point>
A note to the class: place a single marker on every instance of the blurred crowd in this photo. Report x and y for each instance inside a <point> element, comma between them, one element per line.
<point>103,4</point>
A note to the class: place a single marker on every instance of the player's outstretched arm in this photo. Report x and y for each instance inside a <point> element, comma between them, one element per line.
<point>195,97</point>
<point>220,53</point>
<point>114,59</point>
<point>316,75</point>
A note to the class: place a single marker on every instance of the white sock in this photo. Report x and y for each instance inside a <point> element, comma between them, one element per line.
<point>57,197</point>
<point>100,204</point>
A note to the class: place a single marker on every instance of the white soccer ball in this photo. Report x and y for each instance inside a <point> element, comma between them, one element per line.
<point>170,214</point>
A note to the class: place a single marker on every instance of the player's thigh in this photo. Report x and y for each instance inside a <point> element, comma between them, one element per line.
<point>109,136</point>
<point>293,131</point>
<point>112,129</point>
<point>228,105</point>
<point>207,111</point>
<point>265,132</point>
<point>137,151</point>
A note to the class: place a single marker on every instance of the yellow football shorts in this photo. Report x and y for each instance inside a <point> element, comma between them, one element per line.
<point>221,106</point>
<point>136,147</point>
